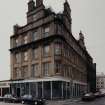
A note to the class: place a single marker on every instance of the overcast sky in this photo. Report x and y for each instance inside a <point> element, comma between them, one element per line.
<point>87,15</point>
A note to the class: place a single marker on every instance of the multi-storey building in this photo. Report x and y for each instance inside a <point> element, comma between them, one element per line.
<point>100,81</point>
<point>46,60</point>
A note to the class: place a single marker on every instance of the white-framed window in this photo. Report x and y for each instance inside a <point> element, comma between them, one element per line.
<point>46,67</point>
<point>18,57</point>
<point>25,55</point>
<point>46,31</point>
<point>34,70</point>
<point>46,50</point>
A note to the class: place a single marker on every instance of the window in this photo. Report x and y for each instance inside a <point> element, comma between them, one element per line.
<point>46,32</point>
<point>34,36</point>
<point>46,50</point>
<point>35,53</point>
<point>25,39</point>
<point>58,49</point>
<point>57,67</point>
<point>18,73</point>
<point>34,70</point>
<point>25,55</point>
<point>46,69</point>
<point>34,17</point>
<point>17,42</point>
<point>18,58</point>
<point>25,72</point>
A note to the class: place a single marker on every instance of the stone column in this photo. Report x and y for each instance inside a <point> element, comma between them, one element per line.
<point>42,89</point>
<point>36,89</point>
<point>66,90</point>
<point>51,90</point>
<point>29,89</point>
<point>62,90</point>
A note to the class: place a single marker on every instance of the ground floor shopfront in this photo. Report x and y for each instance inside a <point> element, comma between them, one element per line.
<point>4,87</point>
<point>48,88</point>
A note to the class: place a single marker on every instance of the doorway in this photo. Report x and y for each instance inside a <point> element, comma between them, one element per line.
<point>18,92</point>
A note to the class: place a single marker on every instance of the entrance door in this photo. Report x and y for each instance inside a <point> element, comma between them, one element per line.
<point>18,92</point>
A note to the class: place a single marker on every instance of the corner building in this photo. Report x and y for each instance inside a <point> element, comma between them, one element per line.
<point>46,60</point>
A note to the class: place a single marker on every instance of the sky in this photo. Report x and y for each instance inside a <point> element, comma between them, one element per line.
<point>87,15</point>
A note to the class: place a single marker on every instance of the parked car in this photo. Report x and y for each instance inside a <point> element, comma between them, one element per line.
<point>28,99</point>
<point>10,98</point>
<point>98,94</point>
<point>16,100</point>
<point>102,91</point>
<point>41,102</point>
<point>88,97</point>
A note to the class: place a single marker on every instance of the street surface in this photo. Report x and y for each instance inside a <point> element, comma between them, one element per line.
<point>100,101</point>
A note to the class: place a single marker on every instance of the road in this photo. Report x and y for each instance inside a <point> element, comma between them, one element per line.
<point>100,101</point>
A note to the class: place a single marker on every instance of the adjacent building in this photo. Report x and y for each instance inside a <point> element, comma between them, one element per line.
<point>46,60</point>
<point>100,81</point>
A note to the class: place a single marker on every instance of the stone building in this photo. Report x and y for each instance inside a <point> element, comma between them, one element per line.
<point>46,60</point>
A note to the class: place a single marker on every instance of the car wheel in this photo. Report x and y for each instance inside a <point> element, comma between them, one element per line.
<point>35,103</point>
<point>22,102</point>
